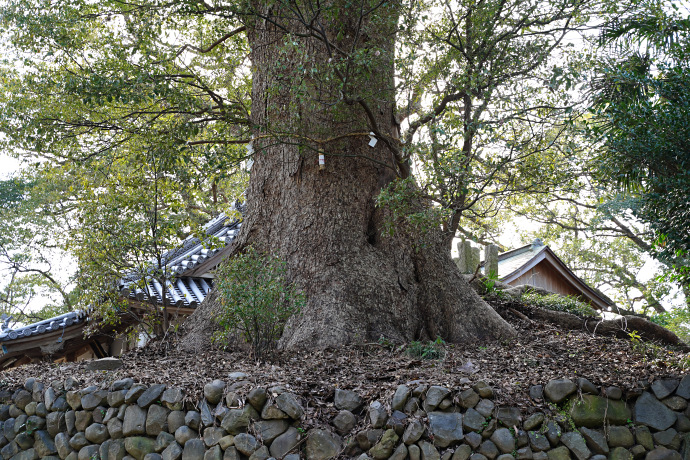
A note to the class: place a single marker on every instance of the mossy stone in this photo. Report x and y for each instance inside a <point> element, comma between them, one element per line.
<point>620,453</point>
<point>385,447</point>
<point>591,411</point>
<point>559,453</point>
<point>139,446</point>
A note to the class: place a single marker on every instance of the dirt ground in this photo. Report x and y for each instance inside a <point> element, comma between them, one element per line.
<point>541,352</point>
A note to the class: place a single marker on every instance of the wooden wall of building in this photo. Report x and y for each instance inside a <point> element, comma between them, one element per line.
<point>547,278</point>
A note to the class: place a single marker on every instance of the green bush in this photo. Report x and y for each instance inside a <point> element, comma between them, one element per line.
<point>558,303</point>
<point>257,300</point>
<point>429,350</point>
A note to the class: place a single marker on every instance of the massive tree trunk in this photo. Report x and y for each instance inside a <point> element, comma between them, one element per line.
<point>360,285</point>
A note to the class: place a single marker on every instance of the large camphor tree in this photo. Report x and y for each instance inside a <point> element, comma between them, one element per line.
<point>337,102</point>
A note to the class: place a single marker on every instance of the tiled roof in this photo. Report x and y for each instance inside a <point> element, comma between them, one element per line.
<point>48,325</point>
<point>180,290</point>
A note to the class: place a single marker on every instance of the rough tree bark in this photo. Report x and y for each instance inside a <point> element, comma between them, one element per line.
<point>359,285</point>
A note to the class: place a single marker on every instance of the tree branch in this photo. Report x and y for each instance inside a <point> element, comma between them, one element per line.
<point>212,45</point>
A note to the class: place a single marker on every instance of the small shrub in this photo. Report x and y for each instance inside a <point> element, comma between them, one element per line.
<point>558,303</point>
<point>430,350</point>
<point>490,287</point>
<point>257,300</point>
<point>650,352</point>
<point>385,343</point>
<point>489,282</point>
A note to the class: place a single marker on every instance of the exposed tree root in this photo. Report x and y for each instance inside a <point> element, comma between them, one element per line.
<point>620,327</point>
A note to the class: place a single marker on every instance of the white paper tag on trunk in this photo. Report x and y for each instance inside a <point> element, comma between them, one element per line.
<point>372,140</point>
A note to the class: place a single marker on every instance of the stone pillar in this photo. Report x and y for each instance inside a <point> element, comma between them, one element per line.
<point>491,261</point>
<point>464,256</point>
<point>475,260</point>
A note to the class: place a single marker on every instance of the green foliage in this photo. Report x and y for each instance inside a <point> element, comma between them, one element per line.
<point>489,283</point>
<point>256,300</point>
<point>558,303</point>
<point>13,192</point>
<point>641,346</point>
<point>429,350</point>
<point>642,109</point>
<point>485,424</point>
<point>385,343</point>
<point>400,199</point>
<point>28,244</point>
<point>676,320</point>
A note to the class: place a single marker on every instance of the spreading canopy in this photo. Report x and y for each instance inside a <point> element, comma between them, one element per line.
<point>171,98</point>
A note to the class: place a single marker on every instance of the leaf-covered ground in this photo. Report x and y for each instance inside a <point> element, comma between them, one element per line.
<point>540,353</point>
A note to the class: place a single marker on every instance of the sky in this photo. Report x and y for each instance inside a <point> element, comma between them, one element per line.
<point>8,166</point>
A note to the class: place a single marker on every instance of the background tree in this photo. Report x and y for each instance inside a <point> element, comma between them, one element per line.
<point>485,91</point>
<point>591,226</point>
<point>601,221</point>
<point>117,140</point>
<point>114,218</point>
<point>643,110</point>
<point>28,250</point>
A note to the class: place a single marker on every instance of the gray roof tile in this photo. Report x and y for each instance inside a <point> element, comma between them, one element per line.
<point>180,290</point>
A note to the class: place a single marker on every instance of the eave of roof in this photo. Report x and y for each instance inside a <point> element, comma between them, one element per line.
<point>45,326</point>
<point>57,342</point>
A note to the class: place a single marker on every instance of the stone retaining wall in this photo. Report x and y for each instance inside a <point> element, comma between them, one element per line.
<point>421,422</point>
